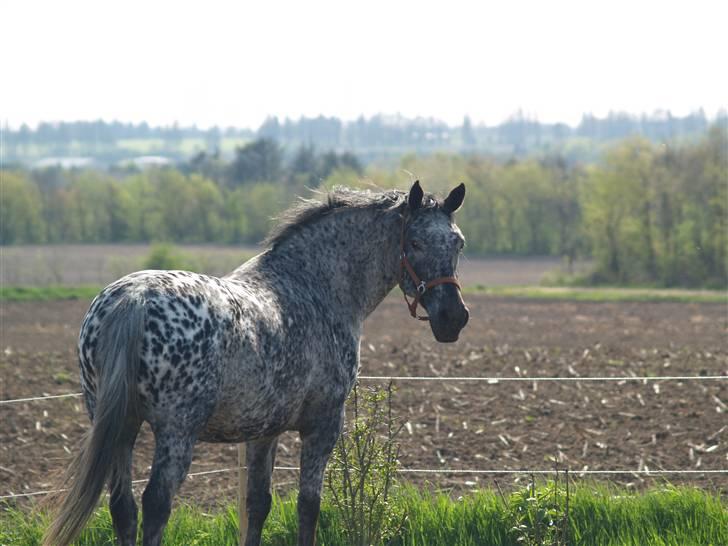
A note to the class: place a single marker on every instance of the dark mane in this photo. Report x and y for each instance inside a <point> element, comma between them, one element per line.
<point>308,211</point>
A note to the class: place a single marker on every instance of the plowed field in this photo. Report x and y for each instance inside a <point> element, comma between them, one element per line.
<point>504,425</point>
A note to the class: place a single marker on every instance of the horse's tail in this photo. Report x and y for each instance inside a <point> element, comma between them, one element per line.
<point>116,410</point>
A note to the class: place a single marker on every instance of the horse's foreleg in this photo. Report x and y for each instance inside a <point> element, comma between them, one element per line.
<point>261,456</point>
<point>172,458</point>
<point>315,451</point>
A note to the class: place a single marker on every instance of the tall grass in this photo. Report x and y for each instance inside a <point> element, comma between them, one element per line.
<point>598,515</point>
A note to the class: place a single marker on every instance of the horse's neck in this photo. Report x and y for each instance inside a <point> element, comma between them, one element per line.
<point>349,259</point>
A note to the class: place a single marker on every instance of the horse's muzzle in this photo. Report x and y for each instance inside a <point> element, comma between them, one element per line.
<point>448,322</point>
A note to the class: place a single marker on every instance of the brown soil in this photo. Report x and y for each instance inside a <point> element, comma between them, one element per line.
<point>617,425</point>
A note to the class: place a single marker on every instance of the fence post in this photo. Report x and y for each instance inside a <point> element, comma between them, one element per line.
<point>242,491</point>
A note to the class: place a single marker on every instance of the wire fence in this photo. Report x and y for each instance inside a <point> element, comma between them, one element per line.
<point>489,380</point>
<point>472,471</point>
<point>463,471</point>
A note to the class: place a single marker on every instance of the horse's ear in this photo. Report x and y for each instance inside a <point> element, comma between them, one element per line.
<point>415,196</point>
<point>454,200</point>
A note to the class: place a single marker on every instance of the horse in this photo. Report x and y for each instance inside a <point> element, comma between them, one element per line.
<point>272,346</point>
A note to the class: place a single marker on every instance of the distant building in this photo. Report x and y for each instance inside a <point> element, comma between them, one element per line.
<point>145,161</point>
<point>65,162</point>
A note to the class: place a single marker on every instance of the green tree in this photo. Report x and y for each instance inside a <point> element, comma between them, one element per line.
<point>208,220</point>
<point>146,221</point>
<point>258,161</point>
<point>189,207</point>
<point>263,201</point>
<point>21,220</point>
<point>611,202</point>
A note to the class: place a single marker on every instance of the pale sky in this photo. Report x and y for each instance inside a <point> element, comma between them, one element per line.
<point>234,63</point>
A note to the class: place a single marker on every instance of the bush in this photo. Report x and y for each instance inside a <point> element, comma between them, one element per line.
<point>166,256</point>
<point>362,471</point>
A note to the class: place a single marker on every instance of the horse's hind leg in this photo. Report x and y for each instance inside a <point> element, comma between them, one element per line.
<point>121,503</point>
<point>172,458</point>
<point>261,455</point>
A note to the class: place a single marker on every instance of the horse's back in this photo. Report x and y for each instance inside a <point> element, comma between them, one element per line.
<point>212,350</point>
<point>234,359</point>
<point>189,324</point>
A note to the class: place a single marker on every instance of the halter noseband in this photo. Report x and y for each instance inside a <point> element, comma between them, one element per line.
<point>420,286</point>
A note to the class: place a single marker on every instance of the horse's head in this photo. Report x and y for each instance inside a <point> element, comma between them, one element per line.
<point>431,244</point>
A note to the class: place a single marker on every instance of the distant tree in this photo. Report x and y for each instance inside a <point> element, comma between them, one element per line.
<point>21,220</point>
<point>467,136</point>
<point>308,169</point>
<point>175,135</point>
<point>331,161</point>
<point>208,217</point>
<point>101,206</point>
<point>260,160</point>
<point>271,129</point>
<point>118,203</point>
<point>208,164</point>
<point>213,140</point>
<point>145,215</point>
<point>259,203</point>
<point>24,138</point>
<point>564,194</point>
<point>305,167</point>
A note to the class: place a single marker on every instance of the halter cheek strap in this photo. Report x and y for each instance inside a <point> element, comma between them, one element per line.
<point>420,285</point>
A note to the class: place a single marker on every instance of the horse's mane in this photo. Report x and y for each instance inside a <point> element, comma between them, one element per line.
<point>307,211</point>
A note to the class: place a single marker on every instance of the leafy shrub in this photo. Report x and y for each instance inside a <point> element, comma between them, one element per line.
<point>362,470</point>
<point>166,256</point>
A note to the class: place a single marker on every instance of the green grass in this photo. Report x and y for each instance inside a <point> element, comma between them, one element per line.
<point>598,515</point>
<point>611,294</point>
<point>603,294</point>
<point>47,293</point>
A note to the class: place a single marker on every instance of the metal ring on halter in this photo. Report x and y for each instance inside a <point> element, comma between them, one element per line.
<point>421,288</point>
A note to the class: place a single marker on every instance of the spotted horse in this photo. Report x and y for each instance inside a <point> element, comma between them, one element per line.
<point>273,346</point>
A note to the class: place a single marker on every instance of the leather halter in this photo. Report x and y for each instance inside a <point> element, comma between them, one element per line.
<point>420,286</point>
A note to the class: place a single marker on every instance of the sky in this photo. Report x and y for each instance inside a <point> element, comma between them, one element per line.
<point>235,63</point>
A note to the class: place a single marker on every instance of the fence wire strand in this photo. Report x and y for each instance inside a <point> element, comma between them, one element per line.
<point>36,398</point>
<point>489,380</point>
<point>464,471</point>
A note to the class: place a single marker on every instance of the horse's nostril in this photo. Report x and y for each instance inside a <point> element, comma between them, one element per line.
<point>466,316</point>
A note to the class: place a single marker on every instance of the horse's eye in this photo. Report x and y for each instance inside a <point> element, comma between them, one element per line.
<point>415,244</point>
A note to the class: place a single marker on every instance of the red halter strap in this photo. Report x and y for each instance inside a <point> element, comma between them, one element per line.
<point>420,286</point>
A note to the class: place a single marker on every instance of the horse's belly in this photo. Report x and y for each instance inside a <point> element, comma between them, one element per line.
<point>242,422</point>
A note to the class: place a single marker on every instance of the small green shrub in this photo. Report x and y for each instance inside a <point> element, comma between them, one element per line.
<point>166,256</point>
<point>539,516</point>
<point>362,471</point>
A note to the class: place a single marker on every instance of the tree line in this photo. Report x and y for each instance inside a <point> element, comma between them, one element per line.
<point>375,138</point>
<point>645,213</point>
